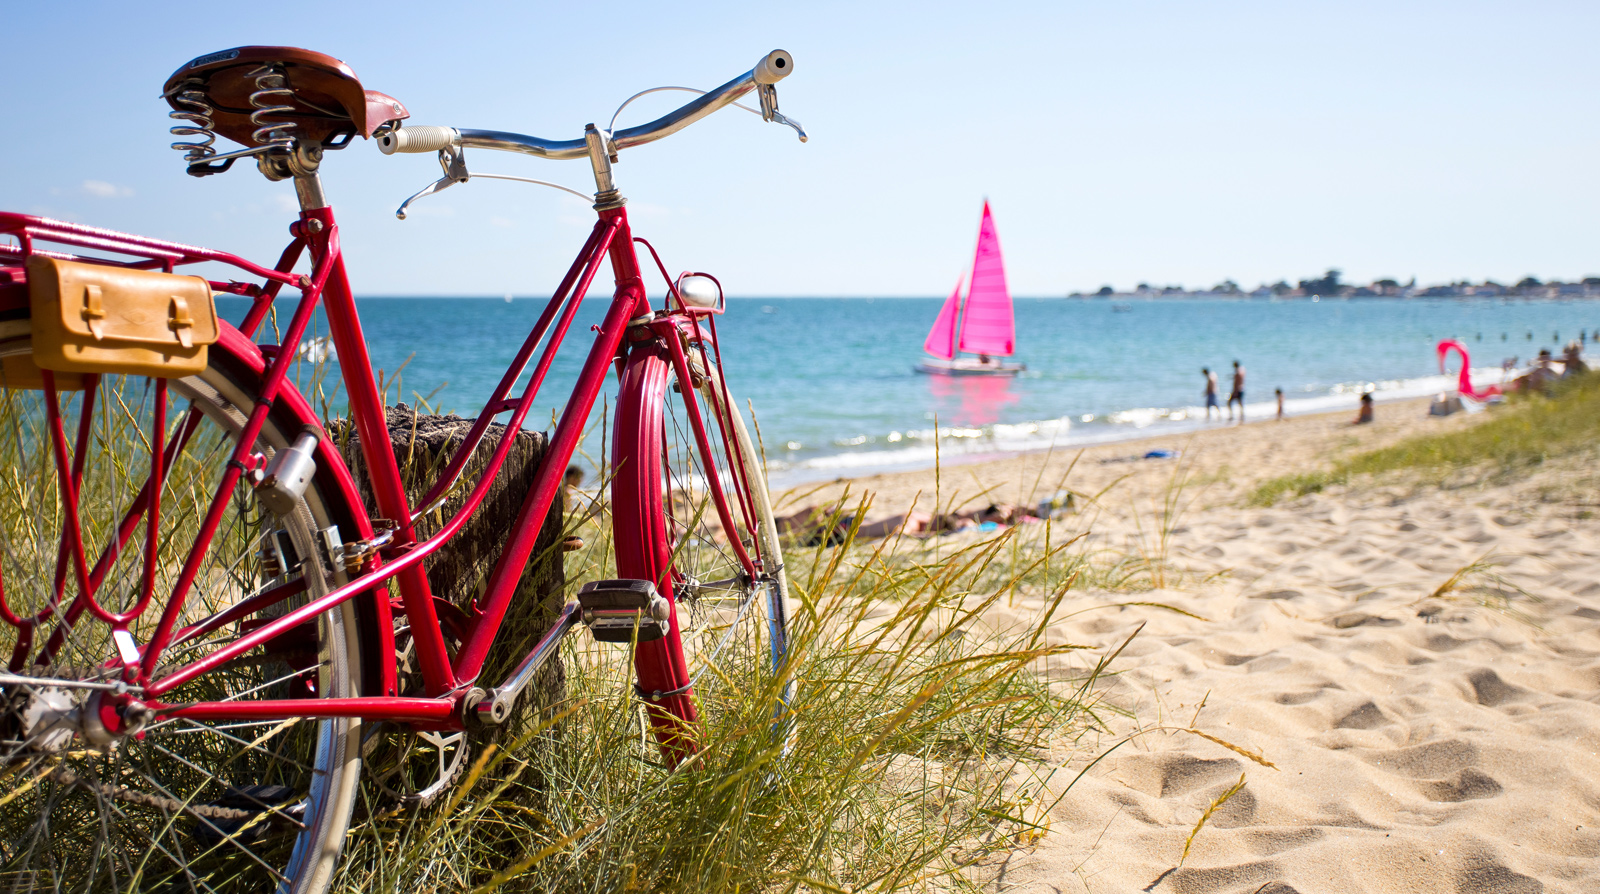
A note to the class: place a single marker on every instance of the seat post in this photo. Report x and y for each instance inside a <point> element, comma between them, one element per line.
<point>308,189</point>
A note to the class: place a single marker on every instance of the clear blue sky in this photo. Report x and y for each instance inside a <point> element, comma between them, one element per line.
<point>1118,142</point>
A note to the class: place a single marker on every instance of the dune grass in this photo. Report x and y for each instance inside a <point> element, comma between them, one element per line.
<point>1526,432</point>
<point>914,745</point>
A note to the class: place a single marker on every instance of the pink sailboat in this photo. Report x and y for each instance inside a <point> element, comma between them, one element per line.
<point>983,324</point>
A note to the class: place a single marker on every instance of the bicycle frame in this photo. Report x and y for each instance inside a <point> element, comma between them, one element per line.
<point>449,688</point>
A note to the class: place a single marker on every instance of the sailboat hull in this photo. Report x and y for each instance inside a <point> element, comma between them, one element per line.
<point>968,366</point>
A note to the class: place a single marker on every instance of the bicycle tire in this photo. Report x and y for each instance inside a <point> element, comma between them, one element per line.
<point>187,805</point>
<point>666,531</point>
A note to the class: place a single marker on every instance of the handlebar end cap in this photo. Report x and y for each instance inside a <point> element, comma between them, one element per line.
<point>774,67</point>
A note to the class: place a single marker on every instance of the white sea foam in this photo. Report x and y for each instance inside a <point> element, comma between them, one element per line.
<point>917,448</point>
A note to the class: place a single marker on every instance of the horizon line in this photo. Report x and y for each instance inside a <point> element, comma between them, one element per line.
<point>1057,296</point>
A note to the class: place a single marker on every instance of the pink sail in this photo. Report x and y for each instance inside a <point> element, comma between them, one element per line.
<point>942,337</point>
<point>987,326</point>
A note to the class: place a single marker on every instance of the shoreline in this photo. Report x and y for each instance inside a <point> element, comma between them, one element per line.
<point>1230,459</point>
<point>961,445</point>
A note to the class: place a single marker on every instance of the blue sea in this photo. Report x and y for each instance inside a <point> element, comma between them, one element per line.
<point>833,387</point>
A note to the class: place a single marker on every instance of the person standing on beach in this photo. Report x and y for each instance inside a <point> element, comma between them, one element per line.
<point>1211,392</point>
<point>1238,392</point>
<point>1279,393</point>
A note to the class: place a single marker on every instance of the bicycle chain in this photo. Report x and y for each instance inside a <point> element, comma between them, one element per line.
<point>145,799</point>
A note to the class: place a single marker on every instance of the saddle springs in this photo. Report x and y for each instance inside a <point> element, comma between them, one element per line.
<point>272,129</point>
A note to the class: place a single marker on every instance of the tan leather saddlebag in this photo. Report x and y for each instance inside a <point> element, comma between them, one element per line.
<point>91,318</point>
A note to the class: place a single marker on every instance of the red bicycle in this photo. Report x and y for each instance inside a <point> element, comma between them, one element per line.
<point>200,611</point>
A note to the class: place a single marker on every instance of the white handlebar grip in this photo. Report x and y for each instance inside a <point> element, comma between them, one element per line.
<point>774,67</point>
<point>417,138</point>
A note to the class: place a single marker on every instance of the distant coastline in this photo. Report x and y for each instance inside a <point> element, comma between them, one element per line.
<point>1329,285</point>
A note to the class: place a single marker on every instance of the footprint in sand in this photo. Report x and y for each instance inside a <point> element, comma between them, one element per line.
<point>1432,760</point>
<point>1483,874</point>
<point>1468,785</point>
<point>1239,810</point>
<point>1266,842</point>
<point>1166,775</point>
<point>1260,876</point>
<point>1492,691</point>
<point>1443,642</point>
<point>1362,619</point>
<point>1367,716</point>
<point>1440,771</point>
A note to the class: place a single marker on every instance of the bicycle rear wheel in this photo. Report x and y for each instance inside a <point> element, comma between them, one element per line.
<point>726,625</point>
<point>182,805</point>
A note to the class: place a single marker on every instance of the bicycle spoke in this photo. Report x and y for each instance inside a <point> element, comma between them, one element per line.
<point>150,814</point>
<point>256,744</point>
<point>203,728</point>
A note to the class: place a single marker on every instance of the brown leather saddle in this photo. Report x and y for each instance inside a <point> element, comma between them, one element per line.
<point>326,101</point>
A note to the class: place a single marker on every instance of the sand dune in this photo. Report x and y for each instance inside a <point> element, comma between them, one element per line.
<point>1423,743</point>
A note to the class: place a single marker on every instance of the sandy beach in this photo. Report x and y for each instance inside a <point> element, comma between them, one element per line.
<point>1429,730</point>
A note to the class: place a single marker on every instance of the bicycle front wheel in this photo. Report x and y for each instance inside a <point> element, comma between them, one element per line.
<point>729,623</point>
<point>161,803</point>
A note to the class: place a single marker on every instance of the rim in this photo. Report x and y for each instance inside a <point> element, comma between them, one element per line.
<point>208,806</point>
<point>732,628</point>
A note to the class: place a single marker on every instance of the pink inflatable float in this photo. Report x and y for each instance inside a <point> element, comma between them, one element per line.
<point>1465,383</point>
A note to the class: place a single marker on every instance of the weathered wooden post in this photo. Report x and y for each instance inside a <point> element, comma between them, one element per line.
<point>423,446</point>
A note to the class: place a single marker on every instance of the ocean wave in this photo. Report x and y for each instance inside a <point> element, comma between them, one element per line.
<point>918,448</point>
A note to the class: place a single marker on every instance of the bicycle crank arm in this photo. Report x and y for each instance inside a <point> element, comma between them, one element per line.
<point>497,705</point>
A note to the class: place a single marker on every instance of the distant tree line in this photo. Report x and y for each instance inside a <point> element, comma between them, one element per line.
<point>1330,285</point>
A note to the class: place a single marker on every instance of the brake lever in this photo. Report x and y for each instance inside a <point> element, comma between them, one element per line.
<point>779,118</point>
<point>769,109</point>
<point>454,163</point>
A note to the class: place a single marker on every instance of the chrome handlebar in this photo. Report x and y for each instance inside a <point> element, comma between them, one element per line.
<point>600,147</point>
<point>773,67</point>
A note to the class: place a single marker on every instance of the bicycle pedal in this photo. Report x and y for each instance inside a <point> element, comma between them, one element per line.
<point>612,609</point>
